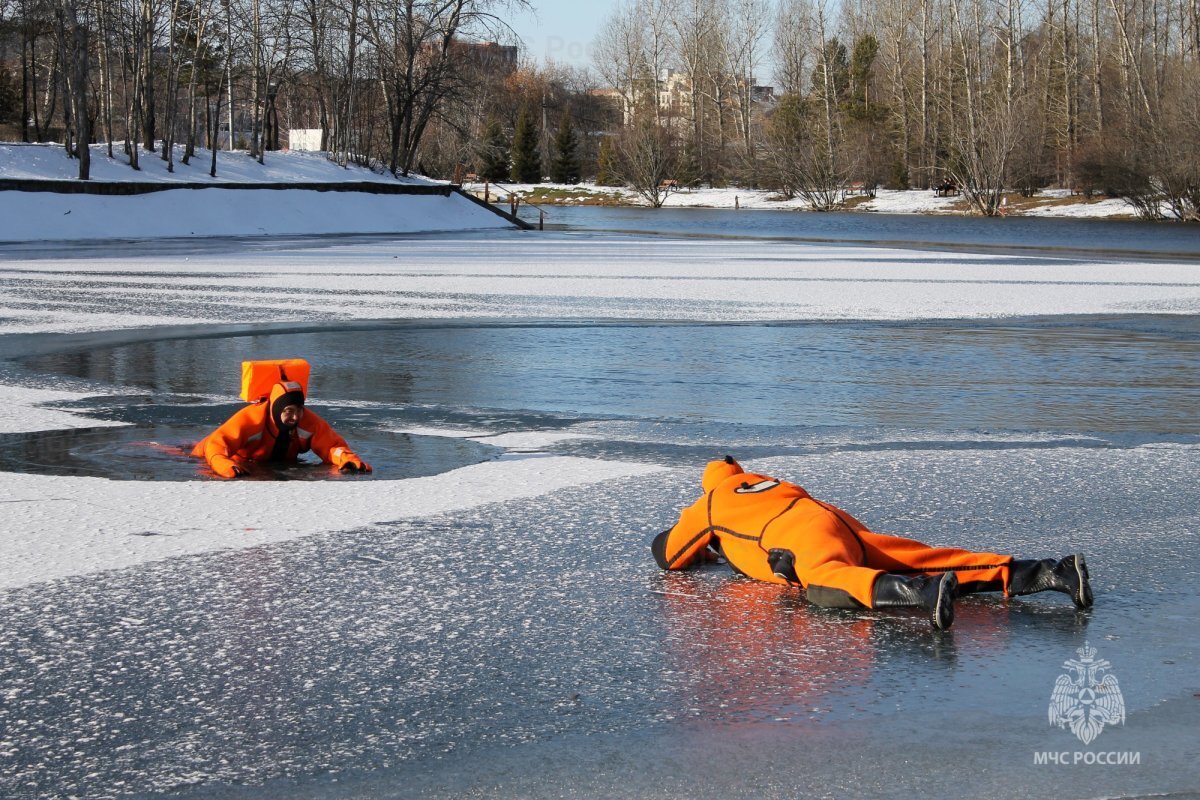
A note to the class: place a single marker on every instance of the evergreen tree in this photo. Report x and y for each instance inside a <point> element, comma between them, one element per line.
<point>526,160</point>
<point>494,154</point>
<point>857,102</point>
<point>833,57</point>
<point>606,166</point>
<point>10,97</point>
<point>566,164</point>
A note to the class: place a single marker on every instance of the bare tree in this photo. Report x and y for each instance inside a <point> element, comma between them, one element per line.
<point>73,40</point>
<point>619,57</point>
<point>984,133</point>
<point>415,46</point>
<point>647,158</point>
<point>748,34</point>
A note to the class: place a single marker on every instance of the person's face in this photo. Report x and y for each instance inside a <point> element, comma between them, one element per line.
<point>289,416</point>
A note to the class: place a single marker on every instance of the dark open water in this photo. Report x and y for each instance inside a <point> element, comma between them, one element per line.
<point>1117,379</point>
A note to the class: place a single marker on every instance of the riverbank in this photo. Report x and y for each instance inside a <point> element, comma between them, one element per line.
<point>1046,203</point>
<point>30,219</point>
<point>291,193</point>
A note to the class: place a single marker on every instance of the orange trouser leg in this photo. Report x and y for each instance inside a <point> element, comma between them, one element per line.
<point>829,562</point>
<point>910,557</point>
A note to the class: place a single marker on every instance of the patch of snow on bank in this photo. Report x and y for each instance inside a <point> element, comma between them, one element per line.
<point>50,162</point>
<point>886,201</point>
<point>911,201</point>
<point>1108,207</point>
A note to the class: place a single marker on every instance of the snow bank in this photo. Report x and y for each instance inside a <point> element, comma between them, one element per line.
<point>50,162</point>
<point>32,216</point>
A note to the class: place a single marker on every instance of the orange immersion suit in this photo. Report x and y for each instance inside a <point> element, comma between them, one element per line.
<point>751,518</point>
<point>253,433</point>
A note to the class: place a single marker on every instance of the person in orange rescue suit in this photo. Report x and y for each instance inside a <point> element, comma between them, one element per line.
<point>279,429</point>
<point>772,530</point>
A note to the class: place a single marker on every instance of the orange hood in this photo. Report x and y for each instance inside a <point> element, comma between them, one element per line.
<point>718,471</point>
<point>283,394</point>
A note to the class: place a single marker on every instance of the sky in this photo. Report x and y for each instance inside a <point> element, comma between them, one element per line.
<point>561,30</point>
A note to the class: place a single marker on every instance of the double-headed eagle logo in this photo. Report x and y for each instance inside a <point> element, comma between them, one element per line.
<point>1088,698</point>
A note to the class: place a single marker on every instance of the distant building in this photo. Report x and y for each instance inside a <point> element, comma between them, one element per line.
<point>673,94</point>
<point>763,95</point>
<point>308,139</point>
<point>490,57</point>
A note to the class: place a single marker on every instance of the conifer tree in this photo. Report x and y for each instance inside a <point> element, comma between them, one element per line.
<point>526,160</point>
<point>566,164</point>
<point>606,166</point>
<point>494,154</point>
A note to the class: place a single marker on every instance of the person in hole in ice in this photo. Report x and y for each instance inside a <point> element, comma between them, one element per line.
<point>772,530</point>
<point>279,429</point>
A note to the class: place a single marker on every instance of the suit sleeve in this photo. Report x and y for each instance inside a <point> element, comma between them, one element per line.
<point>225,442</point>
<point>327,443</point>
<point>679,546</point>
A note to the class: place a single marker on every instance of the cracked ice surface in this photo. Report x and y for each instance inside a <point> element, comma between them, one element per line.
<point>505,648</point>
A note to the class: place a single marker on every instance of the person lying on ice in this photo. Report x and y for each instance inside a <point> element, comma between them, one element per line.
<point>772,530</point>
<point>279,429</point>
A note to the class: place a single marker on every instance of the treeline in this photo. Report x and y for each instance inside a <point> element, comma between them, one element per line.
<point>989,95</point>
<point>377,79</point>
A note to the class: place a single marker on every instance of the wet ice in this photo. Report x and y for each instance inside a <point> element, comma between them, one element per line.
<point>400,648</point>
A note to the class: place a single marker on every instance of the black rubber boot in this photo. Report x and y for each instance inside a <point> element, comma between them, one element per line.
<point>934,593</point>
<point>1068,575</point>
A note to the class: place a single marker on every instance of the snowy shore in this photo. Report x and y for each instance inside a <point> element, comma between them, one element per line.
<point>191,212</point>
<point>1046,203</point>
<point>29,217</point>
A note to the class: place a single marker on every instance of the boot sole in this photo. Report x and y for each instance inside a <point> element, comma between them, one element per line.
<point>1083,598</point>
<point>943,611</point>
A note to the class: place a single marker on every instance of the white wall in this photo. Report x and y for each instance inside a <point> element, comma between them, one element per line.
<point>304,139</point>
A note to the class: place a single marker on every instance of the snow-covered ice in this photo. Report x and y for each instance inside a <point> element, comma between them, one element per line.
<point>516,276</point>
